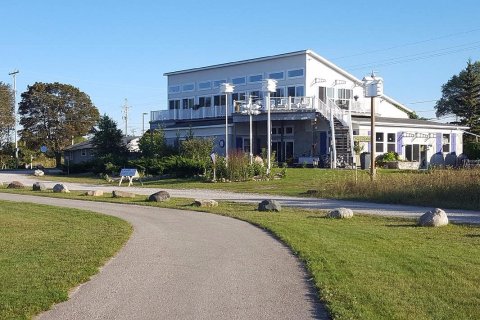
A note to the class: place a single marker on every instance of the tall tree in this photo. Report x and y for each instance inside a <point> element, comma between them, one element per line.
<point>461,97</point>
<point>52,113</point>
<point>7,121</point>
<point>108,139</point>
<point>153,144</point>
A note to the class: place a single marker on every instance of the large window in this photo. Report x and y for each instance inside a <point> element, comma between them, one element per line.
<point>446,142</point>
<point>174,89</point>
<point>255,78</point>
<point>188,103</point>
<point>204,102</point>
<point>277,75</point>
<point>173,104</point>
<point>379,138</point>
<point>296,91</point>
<point>219,100</point>
<point>188,87</point>
<point>296,73</point>
<point>204,85</point>
<point>239,81</point>
<point>238,96</point>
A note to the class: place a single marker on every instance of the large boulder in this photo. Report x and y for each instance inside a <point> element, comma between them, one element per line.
<point>60,188</point>
<point>38,186</point>
<point>38,173</point>
<point>15,185</point>
<point>269,205</point>
<point>122,194</point>
<point>94,193</point>
<point>340,213</point>
<point>433,218</point>
<point>159,196</point>
<point>205,203</point>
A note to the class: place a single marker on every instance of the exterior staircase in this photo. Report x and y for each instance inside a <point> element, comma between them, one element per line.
<point>342,144</point>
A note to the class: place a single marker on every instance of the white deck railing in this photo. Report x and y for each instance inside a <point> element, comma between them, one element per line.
<point>278,104</point>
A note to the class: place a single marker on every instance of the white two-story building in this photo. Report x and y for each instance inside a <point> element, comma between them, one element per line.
<point>318,111</point>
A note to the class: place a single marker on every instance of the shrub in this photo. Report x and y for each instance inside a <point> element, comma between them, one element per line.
<point>183,167</point>
<point>149,166</point>
<point>382,159</point>
<point>472,149</point>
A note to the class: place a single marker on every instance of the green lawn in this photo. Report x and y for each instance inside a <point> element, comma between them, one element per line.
<point>370,267</point>
<point>46,251</point>
<point>450,189</point>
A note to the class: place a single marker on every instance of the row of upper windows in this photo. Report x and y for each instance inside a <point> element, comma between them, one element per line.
<point>219,100</point>
<point>237,81</point>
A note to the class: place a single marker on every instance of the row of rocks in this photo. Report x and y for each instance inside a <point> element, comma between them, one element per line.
<point>433,218</point>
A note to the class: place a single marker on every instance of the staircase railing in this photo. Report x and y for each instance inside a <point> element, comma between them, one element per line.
<point>332,111</point>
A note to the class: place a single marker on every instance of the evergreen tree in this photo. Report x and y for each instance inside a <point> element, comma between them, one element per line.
<point>461,97</point>
<point>108,139</point>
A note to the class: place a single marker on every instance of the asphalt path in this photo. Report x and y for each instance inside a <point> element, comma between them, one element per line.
<point>189,265</point>
<point>454,215</point>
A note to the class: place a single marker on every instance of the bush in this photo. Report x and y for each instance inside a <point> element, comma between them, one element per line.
<point>149,166</point>
<point>183,167</point>
<point>390,156</point>
<point>82,167</point>
<point>472,150</point>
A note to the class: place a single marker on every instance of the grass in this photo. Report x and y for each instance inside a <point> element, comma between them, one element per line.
<point>452,189</point>
<point>45,251</point>
<point>369,267</point>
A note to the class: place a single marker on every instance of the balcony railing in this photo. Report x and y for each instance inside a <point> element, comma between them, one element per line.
<point>277,104</point>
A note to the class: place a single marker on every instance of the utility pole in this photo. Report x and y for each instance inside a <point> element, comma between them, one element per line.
<point>14,75</point>
<point>125,115</point>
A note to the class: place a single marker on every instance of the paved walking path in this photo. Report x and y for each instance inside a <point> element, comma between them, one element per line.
<point>458,216</point>
<point>189,265</point>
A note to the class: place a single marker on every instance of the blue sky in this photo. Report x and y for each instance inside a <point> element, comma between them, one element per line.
<point>114,50</point>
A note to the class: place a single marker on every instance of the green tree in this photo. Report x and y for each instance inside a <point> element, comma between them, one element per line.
<point>6,113</point>
<point>108,140</point>
<point>52,113</point>
<point>461,97</point>
<point>152,143</point>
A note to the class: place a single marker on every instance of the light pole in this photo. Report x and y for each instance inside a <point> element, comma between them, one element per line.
<point>143,122</point>
<point>269,85</point>
<point>251,110</point>
<point>14,75</point>
<point>226,88</point>
<point>373,87</point>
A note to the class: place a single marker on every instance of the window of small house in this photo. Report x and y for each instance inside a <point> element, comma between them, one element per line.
<point>446,142</point>
<point>379,138</point>
<point>390,142</point>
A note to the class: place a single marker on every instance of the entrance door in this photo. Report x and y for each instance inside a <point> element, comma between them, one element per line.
<point>323,143</point>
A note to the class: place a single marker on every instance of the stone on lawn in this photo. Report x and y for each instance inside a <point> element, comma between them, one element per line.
<point>38,173</point>
<point>159,196</point>
<point>205,203</point>
<point>94,193</point>
<point>60,188</point>
<point>122,194</point>
<point>433,218</point>
<point>38,186</point>
<point>15,185</point>
<point>340,213</point>
<point>269,205</point>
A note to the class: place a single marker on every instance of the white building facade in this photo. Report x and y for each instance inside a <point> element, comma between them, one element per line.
<point>317,112</point>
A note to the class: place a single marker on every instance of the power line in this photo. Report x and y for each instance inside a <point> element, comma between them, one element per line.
<point>408,44</point>
<point>417,56</point>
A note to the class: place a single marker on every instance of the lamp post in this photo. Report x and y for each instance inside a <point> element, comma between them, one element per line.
<point>251,110</point>
<point>269,85</point>
<point>226,88</point>
<point>373,87</point>
<point>143,122</point>
<point>14,75</point>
